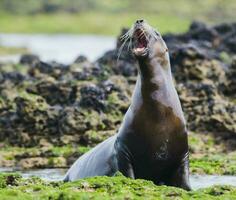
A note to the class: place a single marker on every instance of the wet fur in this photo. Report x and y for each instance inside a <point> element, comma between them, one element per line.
<point>152,140</point>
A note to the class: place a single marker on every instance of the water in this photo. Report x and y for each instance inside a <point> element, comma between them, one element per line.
<point>197,181</point>
<point>54,174</point>
<point>63,48</point>
<point>203,181</point>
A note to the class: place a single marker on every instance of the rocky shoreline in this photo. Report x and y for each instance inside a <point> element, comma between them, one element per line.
<point>51,113</point>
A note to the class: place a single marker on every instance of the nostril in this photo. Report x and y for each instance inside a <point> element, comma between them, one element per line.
<point>139,21</point>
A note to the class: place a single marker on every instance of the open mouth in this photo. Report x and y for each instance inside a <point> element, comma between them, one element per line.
<point>140,43</point>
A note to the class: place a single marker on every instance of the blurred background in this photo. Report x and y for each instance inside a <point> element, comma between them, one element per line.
<point>100,17</point>
<point>63,90</point>
<point>108,16</point>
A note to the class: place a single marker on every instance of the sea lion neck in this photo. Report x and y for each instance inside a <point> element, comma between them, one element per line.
<point>155,91</point>
<point>153,75</point>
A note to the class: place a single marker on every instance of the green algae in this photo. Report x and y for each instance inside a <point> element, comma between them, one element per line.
<point>117,187</point>
<point>224,164</point>
<point>9,179</point>
<point>43,157</point>
<point>16,67</point>
<point>209,157</point>
<point>68,150</point>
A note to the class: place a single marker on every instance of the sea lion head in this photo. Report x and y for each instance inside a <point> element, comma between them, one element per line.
<point>146,42</point>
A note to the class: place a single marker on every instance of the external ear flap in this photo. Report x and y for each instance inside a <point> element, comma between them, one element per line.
<point>163,43</point>
<point>157,33</point>
<point>159,37</point>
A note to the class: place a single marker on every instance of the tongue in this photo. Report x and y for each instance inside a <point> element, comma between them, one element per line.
<point>141,42</point>
<point>141,45</point>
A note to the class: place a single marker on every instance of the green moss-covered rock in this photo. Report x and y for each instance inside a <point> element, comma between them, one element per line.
<point>214,164</point>
<point>118,187</point>
<point>9,179</point>
<point>44,157</point>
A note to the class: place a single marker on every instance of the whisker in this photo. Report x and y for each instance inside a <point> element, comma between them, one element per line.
<point>121,49</point>
<point>151,31</point>
<point>127,34</point>
<point>124,38</point>
<point>154,35</point>
<point>130,44</point>
<point>131,31</point>
<point>124,35</point>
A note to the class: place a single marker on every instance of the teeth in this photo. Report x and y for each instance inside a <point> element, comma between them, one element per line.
<point>138,50</point>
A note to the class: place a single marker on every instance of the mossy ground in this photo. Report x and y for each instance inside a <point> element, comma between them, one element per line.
<point>12,186</point>
<point>207,156</point>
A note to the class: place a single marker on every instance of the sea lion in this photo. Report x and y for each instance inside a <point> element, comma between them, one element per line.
<point>152,141</point>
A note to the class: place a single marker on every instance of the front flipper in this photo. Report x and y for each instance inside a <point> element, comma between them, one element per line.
<point>180,177</point>
<point>125,167</point>
<point>124,160</point>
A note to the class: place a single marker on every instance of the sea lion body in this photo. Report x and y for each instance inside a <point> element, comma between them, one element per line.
<point>97,162</point>
<point>152,141</point>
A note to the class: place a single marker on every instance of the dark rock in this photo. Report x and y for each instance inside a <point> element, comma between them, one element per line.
<point>124,65</point>
<point>81,59</point>
<point>92,97</point>
<point>14,77</point>
<point>121,60</point>
<point>109,86</point>
<point>230,86</point>
<point>72,121</point>
<point>231,44</point>
<point>53,69</point>
<point>29,59</point>
<point>55,92</point>
<point>225,28</point>
<point>196,25</point>
<point>84,70</point>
